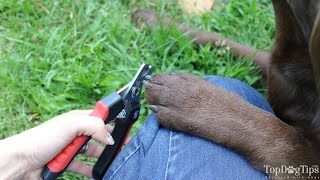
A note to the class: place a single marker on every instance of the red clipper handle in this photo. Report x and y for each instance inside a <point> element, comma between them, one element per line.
<point>61,161</point>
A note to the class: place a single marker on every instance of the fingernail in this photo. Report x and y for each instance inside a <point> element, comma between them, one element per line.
<point>148,77</point>
<point>153,108</point>
<point>110,139</point>
<point>145,82</point>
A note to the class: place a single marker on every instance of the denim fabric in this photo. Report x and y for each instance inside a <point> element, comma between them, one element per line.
<point>158,153</point>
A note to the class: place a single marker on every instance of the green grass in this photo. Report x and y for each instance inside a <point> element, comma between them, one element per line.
<point>56,56</point>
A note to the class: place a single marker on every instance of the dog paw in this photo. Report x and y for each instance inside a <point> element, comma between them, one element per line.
<point>187,103</point>
<point>147,18</point>
<point>180,101</point>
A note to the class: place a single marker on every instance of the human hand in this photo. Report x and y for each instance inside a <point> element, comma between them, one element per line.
<point>27,153</point>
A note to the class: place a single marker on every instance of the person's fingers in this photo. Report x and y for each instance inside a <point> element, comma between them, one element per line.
<point>94,127</point>
<point>109,128</point>
<point>81,112</point>
<point>94,150</point>
<point>80,168</point>
<point>87,113</point>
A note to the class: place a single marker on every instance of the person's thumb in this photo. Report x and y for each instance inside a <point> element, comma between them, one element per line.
<point>94,127</point>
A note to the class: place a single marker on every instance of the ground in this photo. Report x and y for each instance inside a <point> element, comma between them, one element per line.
<point>61,55</point>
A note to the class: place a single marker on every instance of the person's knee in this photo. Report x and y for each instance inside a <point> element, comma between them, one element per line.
<point>244,90</point>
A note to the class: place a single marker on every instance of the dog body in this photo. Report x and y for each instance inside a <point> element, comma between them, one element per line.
<point>291,83</point>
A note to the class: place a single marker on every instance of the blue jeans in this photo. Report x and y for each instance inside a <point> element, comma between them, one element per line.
<point>158,153</point>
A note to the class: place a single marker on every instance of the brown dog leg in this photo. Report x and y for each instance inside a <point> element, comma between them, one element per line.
<point>187,103</point>
<point>149,18</point>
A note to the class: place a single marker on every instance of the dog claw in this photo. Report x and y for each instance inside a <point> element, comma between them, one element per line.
<point>149,77</point>
<point>153,108</point>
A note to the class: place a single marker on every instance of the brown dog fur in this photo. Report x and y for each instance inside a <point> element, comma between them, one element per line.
<point>207,111</point>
